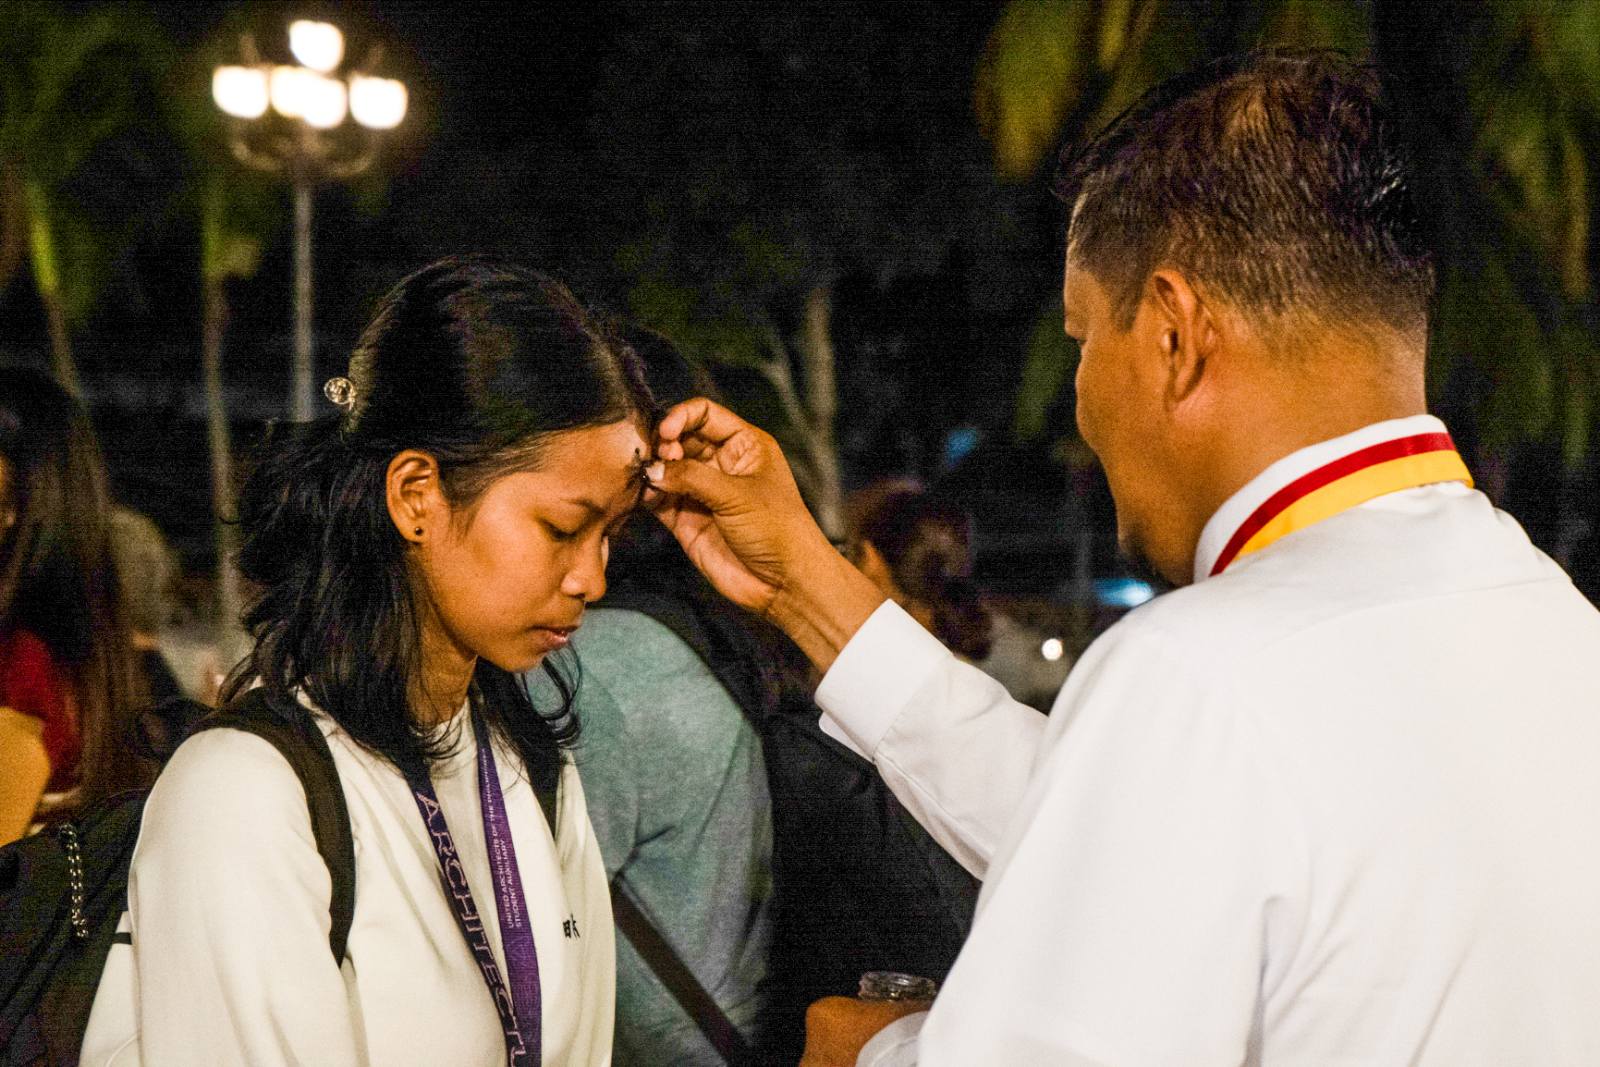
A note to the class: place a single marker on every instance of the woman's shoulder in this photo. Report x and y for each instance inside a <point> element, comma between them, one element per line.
<point>226,853</point>
<point>226,785</point>
<point>34,683</point>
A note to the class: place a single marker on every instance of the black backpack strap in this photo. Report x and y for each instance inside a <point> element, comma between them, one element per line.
<point>679,980</point>
<point>295,735</point>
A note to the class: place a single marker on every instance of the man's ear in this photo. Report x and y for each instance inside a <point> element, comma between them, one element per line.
<point>416,501</point>
<point>1187,333</point>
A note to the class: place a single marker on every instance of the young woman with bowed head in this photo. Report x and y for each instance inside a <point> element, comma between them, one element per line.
<point>446,531</point>
<point>68,680</point>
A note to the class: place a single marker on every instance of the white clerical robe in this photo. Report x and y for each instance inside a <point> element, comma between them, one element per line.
<point>1338,805</point>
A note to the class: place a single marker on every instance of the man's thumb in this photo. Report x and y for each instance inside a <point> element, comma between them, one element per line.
<point>695,479</point>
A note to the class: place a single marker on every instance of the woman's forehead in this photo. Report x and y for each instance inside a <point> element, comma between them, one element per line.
<point>594,465</point>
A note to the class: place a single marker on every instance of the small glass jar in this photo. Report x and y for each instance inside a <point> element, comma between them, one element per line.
<point>892,985</point>
<point>838,1027</point>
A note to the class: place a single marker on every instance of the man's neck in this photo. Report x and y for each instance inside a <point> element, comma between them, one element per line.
<point>1246,455</point>
<point>1283,404</point>
<point>1287,401</point>
<point>1292,463</point>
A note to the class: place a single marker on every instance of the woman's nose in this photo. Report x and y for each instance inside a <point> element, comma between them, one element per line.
<point>586,579</point>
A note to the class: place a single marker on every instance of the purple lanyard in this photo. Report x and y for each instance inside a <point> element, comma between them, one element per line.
<point>519,1006</point>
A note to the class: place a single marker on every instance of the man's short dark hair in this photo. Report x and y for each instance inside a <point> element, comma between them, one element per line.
<point>1274,179</point>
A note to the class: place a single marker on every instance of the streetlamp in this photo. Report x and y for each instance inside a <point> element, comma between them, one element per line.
<point>290,119</point>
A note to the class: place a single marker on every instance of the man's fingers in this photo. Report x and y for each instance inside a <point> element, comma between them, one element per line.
<point>691,478</point>
<point>653,499</point>
<point>693,446</point>
<point>700,418</point>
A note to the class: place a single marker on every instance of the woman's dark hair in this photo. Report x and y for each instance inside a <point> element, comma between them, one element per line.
<point>58,578</point>
<point>927,544</point>
<point>477,362</point>
<point>1276,177</point>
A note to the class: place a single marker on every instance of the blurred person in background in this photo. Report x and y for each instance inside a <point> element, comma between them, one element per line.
<point>918,550</point>
<point>146,568</point>
<point>69,680</point>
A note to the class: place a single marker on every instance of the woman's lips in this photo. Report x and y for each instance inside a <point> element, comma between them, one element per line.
<point>555,637</point>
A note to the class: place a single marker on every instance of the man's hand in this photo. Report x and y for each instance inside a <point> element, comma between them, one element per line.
<point>725,491</point>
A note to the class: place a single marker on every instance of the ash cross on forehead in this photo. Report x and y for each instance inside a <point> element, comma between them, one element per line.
<point>638,478</point>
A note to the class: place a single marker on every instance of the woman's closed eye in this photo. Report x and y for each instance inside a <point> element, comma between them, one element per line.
<point>563,536</point>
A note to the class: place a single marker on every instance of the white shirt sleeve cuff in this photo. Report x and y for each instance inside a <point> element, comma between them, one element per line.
<point>877,673</point>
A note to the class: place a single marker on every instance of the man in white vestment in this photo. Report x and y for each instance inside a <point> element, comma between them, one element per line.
<point>1336,802</point>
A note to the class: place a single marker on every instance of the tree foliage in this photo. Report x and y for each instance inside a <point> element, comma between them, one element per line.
<point>752,158</point>
<point>1055,71</point>
<point>74,92</point>
<point>1534,108</point>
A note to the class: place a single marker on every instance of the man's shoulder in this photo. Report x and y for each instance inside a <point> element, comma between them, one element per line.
<point>649,682</point>
<point>1456,557</point>
<point>1210,624</point>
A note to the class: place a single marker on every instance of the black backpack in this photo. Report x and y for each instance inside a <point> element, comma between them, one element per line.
<point>859,885</point>
<point>63,891</point>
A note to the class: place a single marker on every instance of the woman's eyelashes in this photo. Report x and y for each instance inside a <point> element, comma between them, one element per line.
<point>570,532</point>
<point>562,536</point>
<point>566,536</point>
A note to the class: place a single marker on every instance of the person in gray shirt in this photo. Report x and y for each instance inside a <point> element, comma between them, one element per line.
<point>677,793</point>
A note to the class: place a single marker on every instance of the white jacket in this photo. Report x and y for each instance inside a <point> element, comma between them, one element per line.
<point>228,899</point>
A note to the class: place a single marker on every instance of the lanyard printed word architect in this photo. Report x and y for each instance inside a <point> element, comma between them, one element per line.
<point>1347,482</point>
<point>519,1006</point>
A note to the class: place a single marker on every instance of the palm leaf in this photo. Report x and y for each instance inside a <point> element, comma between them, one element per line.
<point>1340,24</point>
<point>1029,79</point>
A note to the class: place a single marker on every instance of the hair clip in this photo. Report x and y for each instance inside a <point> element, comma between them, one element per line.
<point>341,392</point>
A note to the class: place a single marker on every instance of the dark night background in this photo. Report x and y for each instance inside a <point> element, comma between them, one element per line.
<point>707,167</point>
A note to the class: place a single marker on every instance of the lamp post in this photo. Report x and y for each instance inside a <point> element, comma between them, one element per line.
<point>290,119</point>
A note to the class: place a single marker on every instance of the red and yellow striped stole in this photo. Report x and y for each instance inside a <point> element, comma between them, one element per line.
<point>1388,467</point>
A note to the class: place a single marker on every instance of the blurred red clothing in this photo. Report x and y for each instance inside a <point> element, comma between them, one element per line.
<point>32,682</point>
